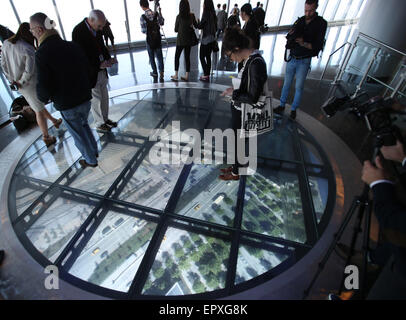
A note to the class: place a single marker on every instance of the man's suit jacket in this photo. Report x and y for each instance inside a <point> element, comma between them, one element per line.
<point>391,215</point>
<point>93,47</point>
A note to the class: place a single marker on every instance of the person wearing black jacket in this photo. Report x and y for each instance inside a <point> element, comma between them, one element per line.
<point>234,20</point>
<point>63,78</point>
<point>209,27</point>
<point>238,47</point>
<point>250,28</point>
<point>308,44</point>
<point>391,215</point>
<point>88,35</point>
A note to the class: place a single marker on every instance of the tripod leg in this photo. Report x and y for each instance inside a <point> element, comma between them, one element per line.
<point>330,250</point>
<point>357,230</point>
<point>365,249</point>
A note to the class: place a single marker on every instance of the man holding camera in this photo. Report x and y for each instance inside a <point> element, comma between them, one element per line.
<point>309,32</point>
<point>151,23</point>
<point>391,215</point>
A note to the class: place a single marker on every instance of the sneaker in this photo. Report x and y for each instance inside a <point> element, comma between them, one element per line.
<point>49,141</point>
<point>229,177</point>
<point>104,128</point>
<point>279,110</point>
<point>153,74</point>
<point>293,114</point>
<point>111,123</point>
<point>84,164</point>
<point>1,256</point>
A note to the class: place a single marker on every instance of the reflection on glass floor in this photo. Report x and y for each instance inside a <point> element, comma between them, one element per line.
<point>135,228</point>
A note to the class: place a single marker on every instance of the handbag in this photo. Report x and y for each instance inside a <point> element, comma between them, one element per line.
<point>215,46</point>
<point>195,39</point>
<point>257,119</point>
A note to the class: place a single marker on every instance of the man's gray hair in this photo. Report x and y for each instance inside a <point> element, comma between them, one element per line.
<point>39,19</point>
<point>97,15</point>
<point>42,20</point>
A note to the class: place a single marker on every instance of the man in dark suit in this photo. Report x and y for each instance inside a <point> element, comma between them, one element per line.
<point>391,215</point>
<point>63,78</point>
<point>88,34</point>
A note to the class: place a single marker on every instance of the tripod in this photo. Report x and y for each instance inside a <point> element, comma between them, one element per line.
<point>364,204</point>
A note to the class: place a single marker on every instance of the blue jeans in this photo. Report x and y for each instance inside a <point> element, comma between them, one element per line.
<point>300,68</point>
<point>156,53</point>
<point>78,126</point>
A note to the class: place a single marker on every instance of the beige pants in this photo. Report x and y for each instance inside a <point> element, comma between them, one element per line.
<point>100,101</point>
<point>30,94</point>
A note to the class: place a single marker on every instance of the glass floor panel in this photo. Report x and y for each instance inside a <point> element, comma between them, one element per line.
<point>112,160</point>
<point>254,260</point>
<point>207,198</point>
<point>113,255</point>
<point>188,263</point>
<point>57,225</point>
<point>273,205</point>
<point>151,186</point>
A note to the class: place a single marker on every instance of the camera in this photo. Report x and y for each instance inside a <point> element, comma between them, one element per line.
<point>294,33</point>
<point>376,112</point>
<point>156,2</point>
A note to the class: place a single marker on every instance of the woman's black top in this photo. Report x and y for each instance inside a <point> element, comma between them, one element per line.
<point>258,76</point>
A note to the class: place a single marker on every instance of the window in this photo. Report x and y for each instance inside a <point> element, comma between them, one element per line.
<point>8,18</point>
<point>293,9</point>
<point>170,10</point>
<point>26,9</point>
<point>72,13</point>
<point>116,17</point>
<point>331,10</point>
<point>354,9</point>
<point>134,14</point>
<point>273,12</point>
<point>343,10</point>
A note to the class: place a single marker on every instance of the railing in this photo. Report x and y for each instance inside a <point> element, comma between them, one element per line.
<point>374,49</point>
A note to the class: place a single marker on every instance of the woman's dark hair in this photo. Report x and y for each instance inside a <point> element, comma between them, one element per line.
<point>24,34</point>
<point>235,40</point>
<point>247,8</point>
<point>209,6</point>
<point>184,9</point>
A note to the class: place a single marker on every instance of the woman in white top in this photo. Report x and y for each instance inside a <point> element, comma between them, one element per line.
<point>18,63</point>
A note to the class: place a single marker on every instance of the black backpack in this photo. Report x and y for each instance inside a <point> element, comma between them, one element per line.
<point>20,115</point>
<point>153,32</point>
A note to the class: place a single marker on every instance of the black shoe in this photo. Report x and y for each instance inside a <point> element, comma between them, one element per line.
<point>111,123</point>
<point>279,110</point>
<point>1,256</point>
<point>153,74</point>
<point>84,164</point>
<point>293,114</point>
<point>104,128</point>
